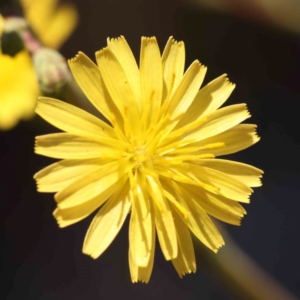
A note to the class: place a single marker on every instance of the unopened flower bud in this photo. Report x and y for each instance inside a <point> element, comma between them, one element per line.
<point>52,70</point>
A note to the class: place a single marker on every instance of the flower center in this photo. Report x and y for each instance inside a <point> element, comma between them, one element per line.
<point>140,154</point>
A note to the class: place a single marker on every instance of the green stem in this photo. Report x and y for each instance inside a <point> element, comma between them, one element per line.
<point>239,275</point>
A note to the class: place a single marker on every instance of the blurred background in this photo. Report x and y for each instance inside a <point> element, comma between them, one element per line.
<point>257,43</point>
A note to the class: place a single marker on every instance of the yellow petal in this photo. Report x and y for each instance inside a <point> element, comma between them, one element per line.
<point>118,87</point>
<point>242,172</point>
<point>107,222</point>
<point>213,124</point>
<point>142,273</point>
<point>185,262</point>
<point>151,76</point>
<point>155,191</point>
<point>235,139</point>
<point>217,206</point>
<point>71,119</point>
<point>123,53</point>
<point>173,59</point>
<point>198,221</point>
<point>213,181</point>
<point>204,229</point>
<point>228,186</point>
<point>223,119</point>
<point>74,214</point>
<point>92,184</point>
<point>186,90</point>
<point>60,174</point>
<point>89,79</point>
<point>208,99</point>
<point>141,224</point>
<point>69,146</point>
<point>163,219</point>
<point>166,233</point>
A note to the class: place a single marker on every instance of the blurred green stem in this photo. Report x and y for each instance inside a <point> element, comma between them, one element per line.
<point>239,275</point>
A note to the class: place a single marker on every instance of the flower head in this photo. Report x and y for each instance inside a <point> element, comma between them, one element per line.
<point>155,160</point>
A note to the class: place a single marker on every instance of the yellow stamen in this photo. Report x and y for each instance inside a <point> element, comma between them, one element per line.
<point>206,155</point>
<point>133,183</point>
<point>185,130</point>
<point>189,181</point>
<point>152,132</point>
<point>172,147</point>
<point>213,146</point>
<point>151,148</point>
<point>146,112</point>
<point>196,149</point>
<point>147,171</point>
<point>126,124</point>
<point>116,128</point>
<point>154,198</point>
<point>172,199</point>
<point>177,160</point>
<point>167,100</point>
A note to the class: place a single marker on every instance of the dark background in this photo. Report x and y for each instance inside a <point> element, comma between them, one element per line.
<point>41,261</point>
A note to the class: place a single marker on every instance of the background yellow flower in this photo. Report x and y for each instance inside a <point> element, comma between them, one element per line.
<point>19,89</point>
<point>51,20</point>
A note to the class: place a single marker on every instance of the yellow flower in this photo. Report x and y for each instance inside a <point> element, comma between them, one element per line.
<point>51,21</point>
<point>19,89</point>
<point>156,158</point>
